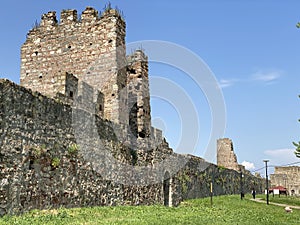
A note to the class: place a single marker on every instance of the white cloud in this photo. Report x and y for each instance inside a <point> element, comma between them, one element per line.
<point>281,157</point>
<point>262,76</point>
<point>267,76</point>
<point>223,83</point>
<point>248,165</point>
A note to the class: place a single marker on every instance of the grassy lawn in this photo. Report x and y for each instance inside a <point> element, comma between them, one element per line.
<point>226,210</point>
<point>289,200</point>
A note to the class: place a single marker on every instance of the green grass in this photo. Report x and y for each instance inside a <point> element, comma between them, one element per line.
<point>226,210</point>
<point>289,200</point>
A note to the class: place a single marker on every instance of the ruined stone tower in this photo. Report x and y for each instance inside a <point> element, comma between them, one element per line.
<point>91,48</point>
<point>138,94</point>
<point>225,154</point>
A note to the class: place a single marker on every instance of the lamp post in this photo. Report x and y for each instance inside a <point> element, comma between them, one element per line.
<point>241,179</point>
<point>267,183</point>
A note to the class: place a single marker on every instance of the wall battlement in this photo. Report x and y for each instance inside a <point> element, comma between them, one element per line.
<point>70,16</point>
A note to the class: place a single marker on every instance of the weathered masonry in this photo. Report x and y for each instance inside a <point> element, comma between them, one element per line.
<point>226,156</point>
<point>90,47</point>
<point>77,131</point>
<point>288,177</point>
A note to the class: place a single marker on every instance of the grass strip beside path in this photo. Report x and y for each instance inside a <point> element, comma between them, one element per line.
<point>225,210</point>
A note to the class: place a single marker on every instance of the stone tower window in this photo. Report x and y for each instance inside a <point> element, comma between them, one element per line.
<point>100,108</point>
<point>36,52</point>
<point>132,71</point>
<point>71,94</point>
<point>142,135</point>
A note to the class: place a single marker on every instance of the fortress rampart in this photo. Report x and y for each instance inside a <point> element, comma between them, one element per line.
<point>81,115</point>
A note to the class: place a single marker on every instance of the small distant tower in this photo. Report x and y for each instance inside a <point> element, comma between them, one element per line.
<point>225,154</point>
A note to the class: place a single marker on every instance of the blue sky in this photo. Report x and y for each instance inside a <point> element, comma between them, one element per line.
<point>251,46</point>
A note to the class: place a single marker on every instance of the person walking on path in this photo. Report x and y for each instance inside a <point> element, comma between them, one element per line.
<point>253,193</point>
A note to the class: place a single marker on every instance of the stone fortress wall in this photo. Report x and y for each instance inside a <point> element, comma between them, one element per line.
<point>41,165</point>
<point>288,177</point>
<point>82,106</point>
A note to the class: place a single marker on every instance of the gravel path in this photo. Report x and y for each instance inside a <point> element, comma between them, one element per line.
<point>273,203</point>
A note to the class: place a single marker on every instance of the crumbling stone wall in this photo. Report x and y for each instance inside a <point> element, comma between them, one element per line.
<point>139,94</point>
<point>225,154</point>
<point>288,177</point>
<point>41,165</point>
<point>195,179</point>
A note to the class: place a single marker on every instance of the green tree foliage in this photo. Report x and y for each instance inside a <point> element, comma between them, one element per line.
<point>297,145</point>
<point>297,151</point>
<point>298,25</point>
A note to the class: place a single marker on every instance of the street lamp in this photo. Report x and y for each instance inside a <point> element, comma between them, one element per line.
<point>241,179</point>
<point>266,162</point>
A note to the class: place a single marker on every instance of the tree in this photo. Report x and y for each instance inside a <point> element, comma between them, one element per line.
<point>298,25</point>
<point>297,151</point>
<point>297,145</point>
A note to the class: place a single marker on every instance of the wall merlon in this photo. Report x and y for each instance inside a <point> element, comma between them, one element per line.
<point>137,56</point>
<point>89,15</point>
<point>111,12</point>
<point>49,19</point>
<point>68,16</point>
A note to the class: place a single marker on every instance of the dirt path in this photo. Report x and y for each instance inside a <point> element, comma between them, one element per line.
<point>273,203</point>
